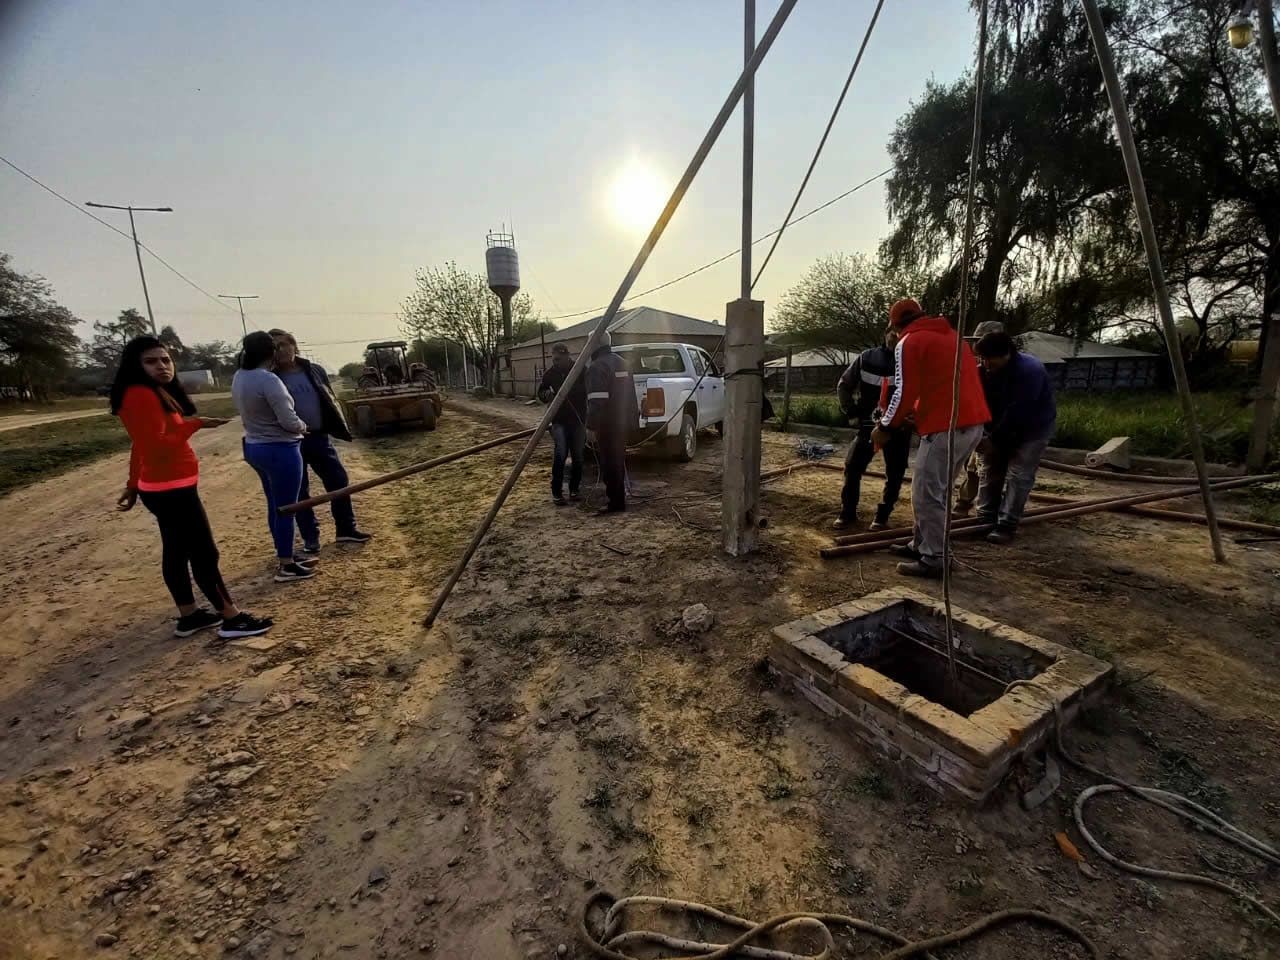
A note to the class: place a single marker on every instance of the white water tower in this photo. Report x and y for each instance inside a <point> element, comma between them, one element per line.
<point>503,266</point>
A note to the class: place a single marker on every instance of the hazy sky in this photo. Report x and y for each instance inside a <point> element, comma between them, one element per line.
<point>317,153</point>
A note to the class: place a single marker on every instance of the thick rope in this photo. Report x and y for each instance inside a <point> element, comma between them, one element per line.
<point>1176,804</point>
<point>975,151</point>
<point>606,938</point>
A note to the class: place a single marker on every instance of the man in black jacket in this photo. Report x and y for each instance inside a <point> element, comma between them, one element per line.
<point>859,393</point>
<point>612,413</point>
<point>319,409</point>
<point>569,428</point>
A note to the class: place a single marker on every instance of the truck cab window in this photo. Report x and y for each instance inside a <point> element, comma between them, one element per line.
<point>699,362</point>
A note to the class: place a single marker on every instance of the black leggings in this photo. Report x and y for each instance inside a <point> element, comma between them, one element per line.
<point>188,541</point>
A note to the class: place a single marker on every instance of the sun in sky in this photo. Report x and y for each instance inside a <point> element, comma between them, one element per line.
<point>636,196</point>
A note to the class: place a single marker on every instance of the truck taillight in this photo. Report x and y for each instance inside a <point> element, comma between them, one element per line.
<point>655,403</point>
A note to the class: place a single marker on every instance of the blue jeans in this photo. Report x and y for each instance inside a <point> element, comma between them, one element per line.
<point>279,465</point>
<point>1005,479</point>
<point>570,441</point>
<point>318,454</point>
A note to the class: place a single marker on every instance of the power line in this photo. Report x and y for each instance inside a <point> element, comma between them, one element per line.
<point>163,262</point>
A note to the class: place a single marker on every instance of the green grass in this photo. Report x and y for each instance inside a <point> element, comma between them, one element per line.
<point>50,449</point>
<point>1086,421</point>
<point>70,404</point>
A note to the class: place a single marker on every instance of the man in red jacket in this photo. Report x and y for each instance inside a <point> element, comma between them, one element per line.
<point>922,386</point>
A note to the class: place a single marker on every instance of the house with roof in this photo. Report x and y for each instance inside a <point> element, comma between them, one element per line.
<point>631,325</point>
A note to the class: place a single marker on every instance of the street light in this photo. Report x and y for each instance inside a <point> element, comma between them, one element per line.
<point>1240,30</point>
<point>137,249</point>
<point>240,298</point>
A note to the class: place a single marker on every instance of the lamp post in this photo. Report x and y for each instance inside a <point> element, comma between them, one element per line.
<point>137,249</point>
<point>240,298</point>
<point>1240,36</point>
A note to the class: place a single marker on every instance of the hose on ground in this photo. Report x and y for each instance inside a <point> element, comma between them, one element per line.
<point>607,938</point>
<point>1178,805</point>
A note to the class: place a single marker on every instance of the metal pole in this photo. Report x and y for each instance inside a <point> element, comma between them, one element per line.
<point>1267,44</point>
<point>748,143</point>
<point>786,392</point>
<point>448,374</point>
<point>695,164</point>
<point>1133,167</point>
<point>244,325</point>
<point>137,250</point>
<point>542,334</point>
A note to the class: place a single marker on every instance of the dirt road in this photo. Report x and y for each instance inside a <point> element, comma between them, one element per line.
<point>20,420</point>
<point>365,789</point>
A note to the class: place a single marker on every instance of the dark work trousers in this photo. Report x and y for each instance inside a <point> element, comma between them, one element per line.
<point>570,443</point>
<point>318,455</point>
<point>611,448</point>
<point>861,451</point>
<point>188,543</point>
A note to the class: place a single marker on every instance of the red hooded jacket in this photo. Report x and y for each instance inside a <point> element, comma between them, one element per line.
<point>926,357</point>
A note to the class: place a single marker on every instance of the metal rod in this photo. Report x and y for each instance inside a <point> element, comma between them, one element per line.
<point>748,143</point>
<point>403,472</point>
<point>1133,167</point>
<point>942,653</point>
<point>786,392</point>
<point>1056,513</point>
<point>704,148</point>
<point>137,252</point>
<point>1156,513</point>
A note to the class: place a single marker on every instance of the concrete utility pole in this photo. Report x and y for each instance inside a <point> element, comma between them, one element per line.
<point>240,298</point>
<point>744,355</point>
<point>137,248</point>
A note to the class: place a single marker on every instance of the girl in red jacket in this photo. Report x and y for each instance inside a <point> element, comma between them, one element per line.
<point>163,472</point>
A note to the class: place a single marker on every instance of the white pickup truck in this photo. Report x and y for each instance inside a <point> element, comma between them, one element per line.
<point>679,390</point>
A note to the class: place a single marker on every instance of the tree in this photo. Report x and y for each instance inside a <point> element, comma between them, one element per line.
<point>169,337</point>
<point>216,355</point>
<point>1047,159</point>
<point>351,371</point>
<point>841,305</point>
<point>458,306</point>
<point>109,338</point>
<point>37,334</point>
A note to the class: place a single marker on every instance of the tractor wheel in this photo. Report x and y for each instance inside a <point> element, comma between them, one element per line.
<point>366,421</point>
<point>428,415</point>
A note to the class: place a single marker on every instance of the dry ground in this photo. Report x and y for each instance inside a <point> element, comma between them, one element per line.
<point>365,789</point>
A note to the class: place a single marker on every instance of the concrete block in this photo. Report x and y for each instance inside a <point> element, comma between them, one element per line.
<point>1116,452</point>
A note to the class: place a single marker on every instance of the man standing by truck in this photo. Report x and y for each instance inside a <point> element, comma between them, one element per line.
<point>859,393</point>
<point>612,413</point>
<point>569,428</point>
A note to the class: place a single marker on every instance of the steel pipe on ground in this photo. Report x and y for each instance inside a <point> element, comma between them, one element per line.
<point>1048,513</point>
<point>1157,513</point>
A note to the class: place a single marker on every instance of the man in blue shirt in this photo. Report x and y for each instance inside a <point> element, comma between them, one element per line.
<point>316,406</point>
<point>1023,416</point>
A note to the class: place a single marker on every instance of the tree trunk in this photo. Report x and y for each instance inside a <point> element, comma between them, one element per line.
<point>1264,406</point>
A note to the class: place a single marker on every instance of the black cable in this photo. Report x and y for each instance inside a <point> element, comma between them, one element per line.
<point>831,122</point>
<point>76,206</point>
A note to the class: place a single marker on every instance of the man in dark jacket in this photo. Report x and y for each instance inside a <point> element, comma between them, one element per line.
<point>859,393</point>
<point>1023,416</point>
<point>319,409</point>
<point>569,428</point>
<point>612,413</point>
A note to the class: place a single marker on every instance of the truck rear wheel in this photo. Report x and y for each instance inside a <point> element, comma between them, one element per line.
<point>428,415</point>
<point>684,446</point>
<point>366,421</point>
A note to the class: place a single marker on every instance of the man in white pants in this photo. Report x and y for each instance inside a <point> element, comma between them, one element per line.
<point>922,383</point>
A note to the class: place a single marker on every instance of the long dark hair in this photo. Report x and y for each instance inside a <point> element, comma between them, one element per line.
<point>256,348</point>
<point>131,373</point>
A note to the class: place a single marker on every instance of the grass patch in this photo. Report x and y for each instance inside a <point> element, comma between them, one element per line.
<point>1086,421</point>
<point>48,450</point>
<point>1181,774</point>
<point>30,408</point>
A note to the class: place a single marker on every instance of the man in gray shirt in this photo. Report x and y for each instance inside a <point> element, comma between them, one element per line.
<point>316,405</point>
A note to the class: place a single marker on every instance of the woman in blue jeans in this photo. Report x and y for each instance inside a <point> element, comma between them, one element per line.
<point>272,437</point>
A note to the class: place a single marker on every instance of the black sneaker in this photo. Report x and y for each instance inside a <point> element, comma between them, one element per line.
<point>196,621</point>
<point>293,571</point>
<point>353,536</point>
<point>307,562</point>
<point>244,625</point>
<point>560,501</point>
<point>311,548</point>
<point>1001,535</point>
<point>904,550</point>
<point>574,496</point>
